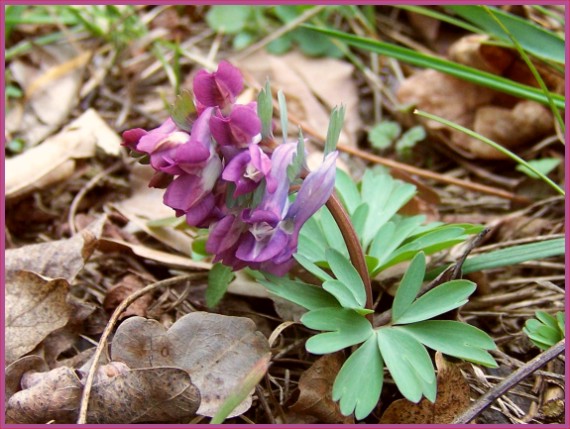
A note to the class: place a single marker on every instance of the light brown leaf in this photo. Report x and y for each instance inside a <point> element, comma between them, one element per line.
<point>125,287</point>
<point>51,79</point>
<point>217,351</point>
<point>452,399</point>
<point>165,258</point>
<point>62,258</point>
<point>35,307</point>
<point>16,369</point>
<point>304,84</point>
<point>43,165</point>
<point>119,395</point>
<point>316,385</point>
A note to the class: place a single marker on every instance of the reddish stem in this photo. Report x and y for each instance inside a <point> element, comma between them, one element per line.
<point>353,245</point>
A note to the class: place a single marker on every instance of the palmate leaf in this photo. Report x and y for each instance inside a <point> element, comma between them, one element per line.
<point>347,326</point>
<point>409,364</point>
<point>546,331</point>
<point>409,287</point>
<point>219,277</point>
<point>359,382</point>
<point>306,295</point>
<point>347,191</point>
<point>313,268</point>
<point>443,298</point>
<point>348,288</point>
<point>455,339</point>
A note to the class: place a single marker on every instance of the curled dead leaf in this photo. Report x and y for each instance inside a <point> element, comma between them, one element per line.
<point>217,351</point>
<point>315,387</point>
<point>119,395</point>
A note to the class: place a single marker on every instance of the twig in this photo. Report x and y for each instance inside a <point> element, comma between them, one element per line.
<point>88,186</point>
<point>107,332</point>
<point>516,377</point>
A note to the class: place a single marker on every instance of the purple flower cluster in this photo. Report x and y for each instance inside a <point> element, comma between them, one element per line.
<point>221,176</point>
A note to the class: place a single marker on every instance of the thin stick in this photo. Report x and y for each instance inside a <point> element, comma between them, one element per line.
<point>90,185</point>
<point>516,377</point>
<point>107,332</point>
<point>353,245</point>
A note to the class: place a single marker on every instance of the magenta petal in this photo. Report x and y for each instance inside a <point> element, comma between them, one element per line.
<point>184,192</point>
<point>154,137</point>
<point>132,137</point>
<point>219,88</point>
<point>252,250</point>
<point>314,193</point>
<point>235,168</point>
<point>224,234</point>
<point>199,212</point>
<point>239,129</point>
<point>197,149</point>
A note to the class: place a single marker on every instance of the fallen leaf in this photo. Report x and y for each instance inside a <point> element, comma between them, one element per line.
<point>46,396</point>
<point>35,307</point>
<point>51,79</point>
<point>166,258</point>
<point>315,385</point>
<point>217,351</point>
<point>473,51</point>
<point>145,204</point>
<point>54,159</point>
<point>304,84</point>
<point>119,395</point>
<point>147,395</point>
<point>452,399</point>
<point>16,369</point>
<point>61,258</point>
<point>125,287</point>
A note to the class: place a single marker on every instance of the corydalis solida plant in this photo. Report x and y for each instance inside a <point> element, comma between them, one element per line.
<point>220,174</point>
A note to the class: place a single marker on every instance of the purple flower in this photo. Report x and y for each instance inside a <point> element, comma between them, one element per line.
<point>219,88</point>
<point>247,169</point>
<point>241,128</point>
<point>191,194</point>
<point>162,144</point>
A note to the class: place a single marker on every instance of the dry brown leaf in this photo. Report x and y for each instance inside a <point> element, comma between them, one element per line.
<point>125,287</point>
<point>304,84</point>
<point>61,258</point>
<point>527,121</point>
<point>452,399</point>
<point>53,160</point>
<point>177,261</point>
<point>35,307</point>
<point>119,395</point>
<point>16,369</point>
<point>145,204</point>
<point>217,351</point>
<point>472,51</point>
<point>316,385</point>
<point>51,79</point>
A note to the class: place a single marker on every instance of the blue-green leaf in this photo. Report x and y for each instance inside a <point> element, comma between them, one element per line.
<point>265,110</point>
<point>348,328</point>
<point>313,268</point>
<point>306,295</point>
<point>335,127</point>
<point>342,293</point>
<point>443,298</point>
<point>409,287</point>
<point>359,381</point>
<point>409,364</point>
<point>347,274</point>
<point>455,339</point>
<point>347,191</point>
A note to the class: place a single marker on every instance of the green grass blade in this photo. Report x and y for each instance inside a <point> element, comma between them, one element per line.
<point>460,71</point>
<point>492,144</point>
<point>432,13</point>
<point>534,39</point>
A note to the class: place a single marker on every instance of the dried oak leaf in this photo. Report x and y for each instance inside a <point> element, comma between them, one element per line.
<point>217,351</point>
<point>119,395</point>
<point>61,258</point>
<point>125,287</point>
<point>16,369</point>
<point>316,386</point>
<point>35,307</point>
<point>452,399</point>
